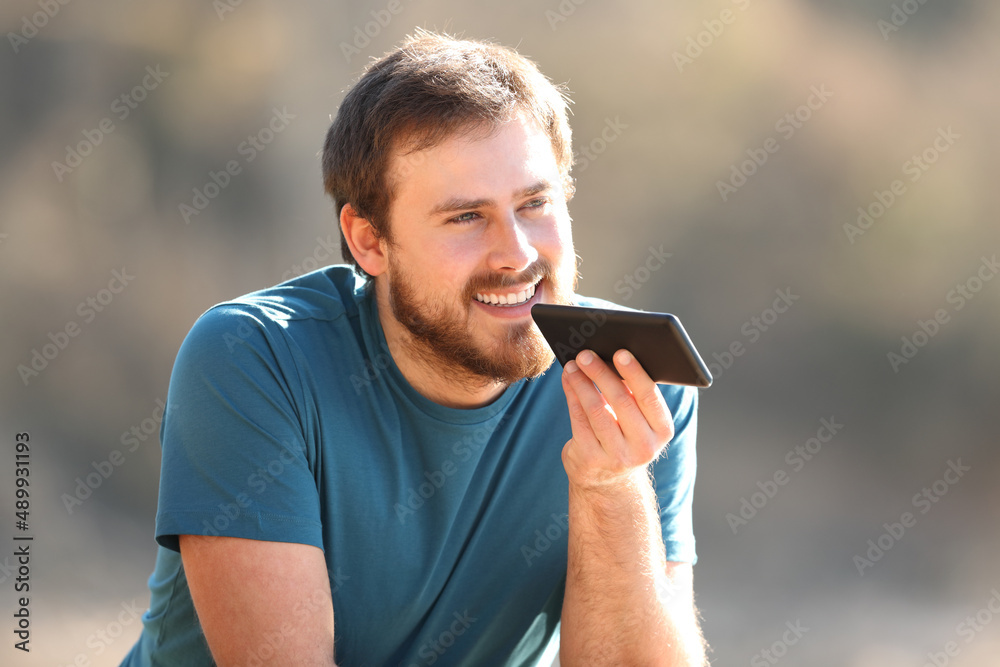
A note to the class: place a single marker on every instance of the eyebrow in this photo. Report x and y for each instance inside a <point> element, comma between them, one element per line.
<point>459,204</point>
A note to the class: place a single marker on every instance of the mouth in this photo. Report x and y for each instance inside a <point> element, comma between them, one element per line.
<point>507,298</point>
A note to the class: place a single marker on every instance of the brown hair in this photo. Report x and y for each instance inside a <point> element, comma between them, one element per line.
<point>418,95</point>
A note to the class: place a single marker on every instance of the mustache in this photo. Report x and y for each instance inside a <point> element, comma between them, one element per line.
<point>493,282</point>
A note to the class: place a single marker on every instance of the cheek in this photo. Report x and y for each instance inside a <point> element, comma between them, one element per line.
<point>562,238</point>
<point>457,255</point>
<point>566,238</point>
<point>432,253</point>
<point>448,263</point>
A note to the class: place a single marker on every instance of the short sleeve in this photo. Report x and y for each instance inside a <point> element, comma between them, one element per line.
<point>235,459</point>
<point>674,474</point>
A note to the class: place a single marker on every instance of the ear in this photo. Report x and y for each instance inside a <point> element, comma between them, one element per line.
<point>367,248</point>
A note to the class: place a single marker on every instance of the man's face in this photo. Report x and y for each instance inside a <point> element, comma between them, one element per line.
<point>480,233</point>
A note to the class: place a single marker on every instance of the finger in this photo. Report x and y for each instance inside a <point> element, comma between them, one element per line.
<point>646,395</point>
<point>583,434</point>
<point>601,419</point>
<point>631,420</point>
<point>583,456</point>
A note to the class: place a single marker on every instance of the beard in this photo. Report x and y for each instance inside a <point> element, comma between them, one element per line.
<point>443,338</point>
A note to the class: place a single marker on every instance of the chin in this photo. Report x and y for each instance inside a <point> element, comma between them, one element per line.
<point>524,355</point>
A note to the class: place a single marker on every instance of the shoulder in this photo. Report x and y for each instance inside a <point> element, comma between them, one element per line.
<point>325,294</point>
<point>283,311</point>
<point>594,302</point>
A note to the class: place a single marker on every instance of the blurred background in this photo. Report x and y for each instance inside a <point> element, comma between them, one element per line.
<point>822,175</point>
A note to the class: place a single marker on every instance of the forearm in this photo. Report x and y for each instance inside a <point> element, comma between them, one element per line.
<point>624,603</point>
<point>620,604</point>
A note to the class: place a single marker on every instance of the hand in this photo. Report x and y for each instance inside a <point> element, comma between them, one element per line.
<point>618,430</point>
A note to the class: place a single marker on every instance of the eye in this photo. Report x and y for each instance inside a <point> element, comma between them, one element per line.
<point>464,218</point>
<point>537,203</point>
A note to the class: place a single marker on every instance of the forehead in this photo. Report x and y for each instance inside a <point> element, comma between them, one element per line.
<point>477,158</point>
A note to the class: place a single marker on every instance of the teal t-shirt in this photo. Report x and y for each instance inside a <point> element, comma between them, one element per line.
<point>444,530</point>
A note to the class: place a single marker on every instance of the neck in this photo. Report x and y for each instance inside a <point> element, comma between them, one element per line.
<point>434,378</point>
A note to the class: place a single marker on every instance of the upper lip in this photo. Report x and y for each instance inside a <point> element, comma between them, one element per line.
<point>507,295</point>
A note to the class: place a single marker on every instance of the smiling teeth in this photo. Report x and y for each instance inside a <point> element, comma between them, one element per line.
<point>512,299</point>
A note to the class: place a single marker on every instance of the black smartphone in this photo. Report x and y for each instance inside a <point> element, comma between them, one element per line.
<point>657,340</point>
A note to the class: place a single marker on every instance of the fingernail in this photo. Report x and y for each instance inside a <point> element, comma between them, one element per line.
<point>624,357</point>
<point>571,367</point>
<point>585,357</point>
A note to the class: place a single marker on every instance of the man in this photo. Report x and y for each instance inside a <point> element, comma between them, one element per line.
<point>377,466</point>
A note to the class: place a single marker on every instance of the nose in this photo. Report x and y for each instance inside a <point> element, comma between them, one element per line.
<point>511,246</point>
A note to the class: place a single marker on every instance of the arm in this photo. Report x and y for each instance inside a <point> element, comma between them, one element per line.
<point>261,603</point>
<point>624,603</point>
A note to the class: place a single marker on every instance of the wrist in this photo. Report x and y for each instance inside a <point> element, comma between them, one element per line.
<point>610,488</point>
<point>614,502</point>
<point>615,523</point>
